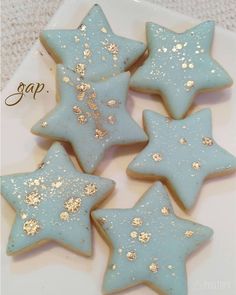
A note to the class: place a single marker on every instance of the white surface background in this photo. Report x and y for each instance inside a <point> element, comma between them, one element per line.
<point>22,20</point>
<point>52,269</point>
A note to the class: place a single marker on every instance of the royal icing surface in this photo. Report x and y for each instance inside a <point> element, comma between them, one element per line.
<point>53,203</point>
<point>179,66</point>
<point>91,116</point>
<point>92,50</point>
<point>183,152</point>
<point>149,244</point>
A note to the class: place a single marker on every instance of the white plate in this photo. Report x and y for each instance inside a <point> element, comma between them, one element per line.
<point>52,269</point>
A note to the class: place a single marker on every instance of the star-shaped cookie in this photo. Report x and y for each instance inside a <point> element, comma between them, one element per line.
<point>91,116</point>
<point>182,153</point>
<point>53,203</point>
<point>92,50</point>
<point>179,66</point>
<point>149,244</point>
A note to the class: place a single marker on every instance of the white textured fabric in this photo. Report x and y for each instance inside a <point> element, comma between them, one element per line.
<point>22,20</point>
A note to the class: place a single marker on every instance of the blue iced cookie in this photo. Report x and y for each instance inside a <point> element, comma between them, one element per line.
<point>149,244</point>
<point>92,116</point>
<point>179,66</point>
<point>182,153</point>
<point>53,203</point>
<point>92,50</point>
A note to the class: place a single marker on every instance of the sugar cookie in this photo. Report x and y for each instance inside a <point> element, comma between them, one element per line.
<point>53,203</point>
<point>179,66</point>
<point>149,244</point>
<point>91,116</point>
<point>181,152</point>
<point>92,50</point>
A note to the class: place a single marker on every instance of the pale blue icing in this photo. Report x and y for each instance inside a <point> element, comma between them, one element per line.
<point>40,197</point>
<point>105,120</point>
<point>181,152</point>
<point>179,66</point>
<point>160,258</point>
<point>94,45</point>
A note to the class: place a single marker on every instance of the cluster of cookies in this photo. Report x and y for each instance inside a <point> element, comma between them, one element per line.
<point>149,243</point>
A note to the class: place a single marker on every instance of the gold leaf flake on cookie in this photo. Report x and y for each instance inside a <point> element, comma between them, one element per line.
<point>51,204</point>
<point>179,66</point>
<point>190,154</point>
<point>155,252</point>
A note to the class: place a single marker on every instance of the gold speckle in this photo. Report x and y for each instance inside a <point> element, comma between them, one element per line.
<point>188,233</point>
<point>104,30</point>
<point>133,234</point>
<point>36,182</point>
<point>157,157</point>
<point>66,79</point>
<point>77,39</point>
<point>92,105</point>
<point>87,53</point>
<point>165,211</point>
<point>23,215</point>
<point>179,46</point>
<point>33,199</point>
<point>72,205</point>
<point>64,216</point>
<point>82,119</point>
<point>31,227</point>
<point>111,119</point>
<point>196,165</point>
<point>102,220</point>
<point>44,124</point>
<point>112,47</point>
<point>80,96</point>
<point>83,87</point>
<point>183,140</point>
<point>153,267</point>
<point>112,103</point>
<point>82,27</point>
<point>131,255</point>
<point>100,133</point>
<point>189,84</point>
<point>77,110</point>
<point>113,266</point>
<point>137,221</point>
<point>80,69</point>
<point>90,189</point>
<point>93,95</point>
<point>57,184</point>
<point>144,237</point>
<point>207,141</point>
